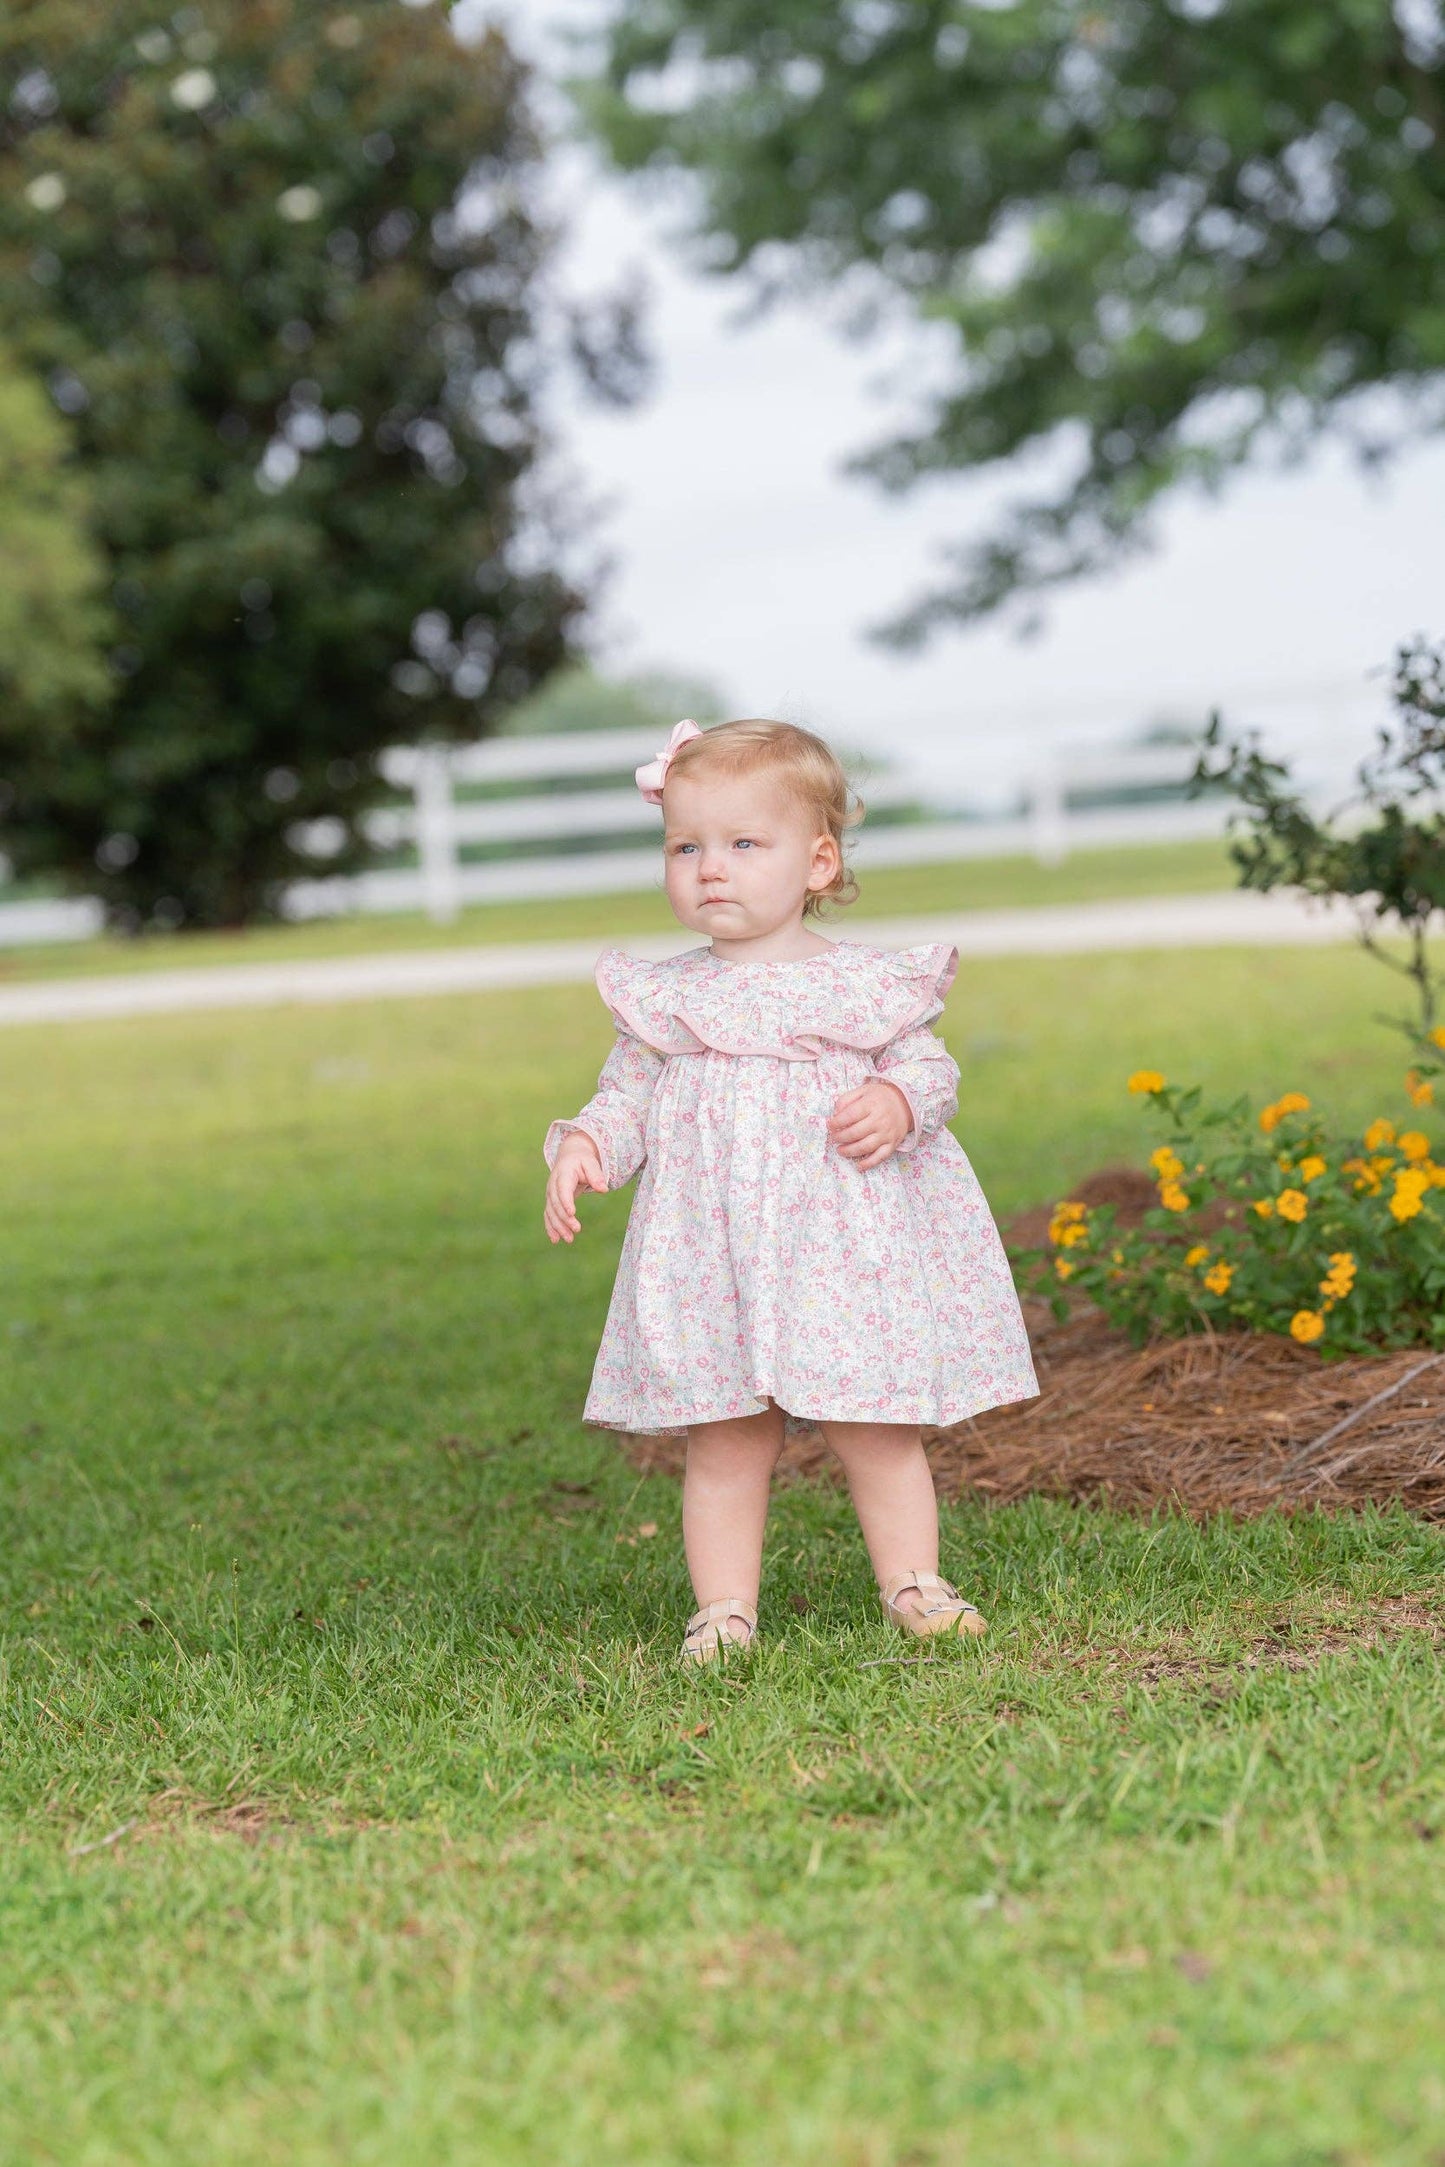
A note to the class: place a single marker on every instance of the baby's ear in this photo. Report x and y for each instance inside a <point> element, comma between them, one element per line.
<point>827,861</point>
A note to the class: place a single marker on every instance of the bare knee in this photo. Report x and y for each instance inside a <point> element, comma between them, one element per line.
<point>744,1439</point>
<point>868,1445</point>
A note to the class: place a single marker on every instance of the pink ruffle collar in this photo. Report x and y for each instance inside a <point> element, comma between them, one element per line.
<point>851,996</point>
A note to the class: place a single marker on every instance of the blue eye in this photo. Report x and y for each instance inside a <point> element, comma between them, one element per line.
<point>680,848</point>
<point>743,842</point>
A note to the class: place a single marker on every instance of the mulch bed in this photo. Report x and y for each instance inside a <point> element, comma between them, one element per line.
<point>1236,1423</point>
<point>1239,1422</point>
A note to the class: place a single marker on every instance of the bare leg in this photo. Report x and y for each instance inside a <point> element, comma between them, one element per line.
<point>725,1504</point>
<point>891,1485</point>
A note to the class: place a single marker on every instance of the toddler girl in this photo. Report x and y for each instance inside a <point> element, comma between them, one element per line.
<point>807,1243</point>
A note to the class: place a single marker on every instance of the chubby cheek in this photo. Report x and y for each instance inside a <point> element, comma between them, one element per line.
<point>678,880</point>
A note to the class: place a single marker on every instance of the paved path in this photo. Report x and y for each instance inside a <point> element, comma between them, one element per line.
<point>1233,919</point>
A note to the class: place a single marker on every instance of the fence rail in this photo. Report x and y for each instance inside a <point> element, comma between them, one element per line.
<point>442,822</point>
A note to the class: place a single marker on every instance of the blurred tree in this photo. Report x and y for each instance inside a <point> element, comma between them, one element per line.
<point>279,264</point>
<point>582,698</point>
<point>53,621</point>
<point>1163,233</point>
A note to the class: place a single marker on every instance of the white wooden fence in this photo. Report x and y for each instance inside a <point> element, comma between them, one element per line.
<point>1056,825</point>
<point>439,823</point>
<point>441,820</point>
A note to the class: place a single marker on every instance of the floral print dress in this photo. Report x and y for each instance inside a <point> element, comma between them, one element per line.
<point>759,1263</point>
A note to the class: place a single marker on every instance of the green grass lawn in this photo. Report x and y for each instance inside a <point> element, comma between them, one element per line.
<point>314,1586</point>
<point>984,884</point>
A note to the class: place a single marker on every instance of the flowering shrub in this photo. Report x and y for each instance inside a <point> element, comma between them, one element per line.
<point>1265,1220</point>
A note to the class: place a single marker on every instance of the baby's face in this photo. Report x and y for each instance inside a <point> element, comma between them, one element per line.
<point>741,856</point>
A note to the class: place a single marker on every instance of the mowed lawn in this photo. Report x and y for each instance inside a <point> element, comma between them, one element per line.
<point>353,1808</point>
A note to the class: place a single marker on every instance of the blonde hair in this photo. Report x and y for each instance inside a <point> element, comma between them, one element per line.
<point>806,768</point>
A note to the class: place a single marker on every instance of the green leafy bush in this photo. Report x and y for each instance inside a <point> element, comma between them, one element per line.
<point>1267,1221</point>
<point>1382,852</point>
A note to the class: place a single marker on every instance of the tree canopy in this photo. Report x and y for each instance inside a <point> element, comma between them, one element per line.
<point>1164,233</point>
<point>278,264</point>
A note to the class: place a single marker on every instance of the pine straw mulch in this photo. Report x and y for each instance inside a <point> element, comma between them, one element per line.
<point>1237,1422</point>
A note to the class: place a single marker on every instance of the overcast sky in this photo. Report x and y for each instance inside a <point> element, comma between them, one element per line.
<point>744,552</point>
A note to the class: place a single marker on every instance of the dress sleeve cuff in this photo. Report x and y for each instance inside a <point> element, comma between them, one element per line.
<point>552,1144</point>
<point>915,1135</point>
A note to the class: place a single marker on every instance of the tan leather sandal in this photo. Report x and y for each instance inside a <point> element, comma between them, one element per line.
<point>942,1609</point>
<point>706,1639</point>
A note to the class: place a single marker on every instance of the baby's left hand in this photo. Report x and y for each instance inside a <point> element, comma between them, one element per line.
<point>869,1124</point>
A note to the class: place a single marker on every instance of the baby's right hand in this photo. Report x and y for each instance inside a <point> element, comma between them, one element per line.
<point>577,1166</point>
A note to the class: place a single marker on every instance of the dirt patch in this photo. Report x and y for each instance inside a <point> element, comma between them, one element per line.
<point>1293,1640</point>
<point>250,1820</point>
<point>1237,1422</point>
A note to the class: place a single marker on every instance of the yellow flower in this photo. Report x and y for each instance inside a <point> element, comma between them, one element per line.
<point>1293,1102</point>
<point>1063,1267</point>
<point>1172,1197</point>
<point>1413,1145</point>
<point>1146,1080</point>
<point>1342,1264</point>
<point>1196,1255</point>
<point>1419,1089</point>
<point>1292,1204</point>
<point>1263,1206</point>
<point>1437,1036</point>
<point>1340,1279</point>
<point>1306,1325</point>
<point>1365,1176</point>
<point>1411,1182</point>
<point>1066,1226</point>
<point>1217,1278</point>
<point>1310,1169</point>
<point>1378,1134</point>
<point>1436,1173</point>
<point>1165,1163</point>
<point>1118,1256</point>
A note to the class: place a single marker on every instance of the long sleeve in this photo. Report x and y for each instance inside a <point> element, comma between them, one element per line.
<point>615,1117</point>
<point>920,1066</point>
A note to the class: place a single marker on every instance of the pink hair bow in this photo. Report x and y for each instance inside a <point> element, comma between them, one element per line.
<point>653,773</point>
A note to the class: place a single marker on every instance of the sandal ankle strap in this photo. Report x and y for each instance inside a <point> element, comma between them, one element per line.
<point>717,1614</point>
<point>937,1593</point>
